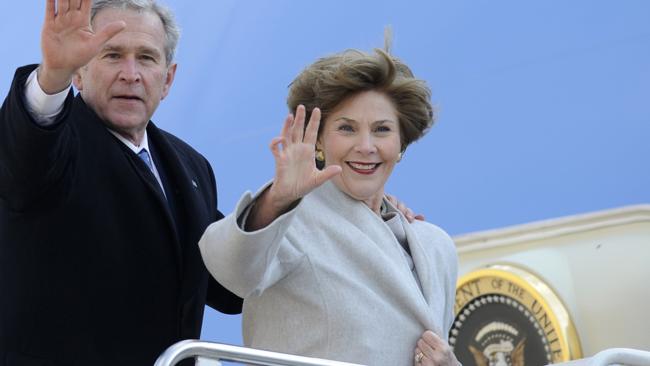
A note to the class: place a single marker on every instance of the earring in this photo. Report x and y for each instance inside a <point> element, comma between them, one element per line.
<point>399,157</point>
<point>320,156</point>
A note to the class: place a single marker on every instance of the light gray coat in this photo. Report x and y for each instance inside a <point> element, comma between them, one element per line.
<point>328,279</point>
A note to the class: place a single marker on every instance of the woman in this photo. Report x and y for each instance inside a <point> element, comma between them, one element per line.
<point>326,265</point>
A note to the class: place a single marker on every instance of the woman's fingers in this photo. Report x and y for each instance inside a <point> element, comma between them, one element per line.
<point>426,349</point>
<point>297,129</point>
<point>326,174</point>
<point>311,132</point>
<point>435,350</point>
<point>275,146</point>
<point>286,128</point>
<point>433,339</point>
<point>418,357</point>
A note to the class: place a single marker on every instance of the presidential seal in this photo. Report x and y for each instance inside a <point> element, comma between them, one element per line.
<point>506,316</point>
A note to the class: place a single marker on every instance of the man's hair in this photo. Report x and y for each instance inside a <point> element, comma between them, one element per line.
<point>332,79</point>
<point>172,32</point>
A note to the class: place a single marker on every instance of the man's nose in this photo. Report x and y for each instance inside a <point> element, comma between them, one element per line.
<point>129,70</point>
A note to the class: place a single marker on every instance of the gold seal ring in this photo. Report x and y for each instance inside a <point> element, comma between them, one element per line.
<point>419,356</point>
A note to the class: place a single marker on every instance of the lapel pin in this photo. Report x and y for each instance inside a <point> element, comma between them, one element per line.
<point>194,184</point>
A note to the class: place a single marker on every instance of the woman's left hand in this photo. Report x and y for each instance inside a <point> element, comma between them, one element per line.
<point>431,350</point>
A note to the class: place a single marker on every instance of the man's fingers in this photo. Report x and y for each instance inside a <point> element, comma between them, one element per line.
<point>50,10</point>
<point>85,7</point>
<point>311,133</point>
<point>408,213</point>
<point>106,33</point>
<point>63,6</point>
<point>75,4</point>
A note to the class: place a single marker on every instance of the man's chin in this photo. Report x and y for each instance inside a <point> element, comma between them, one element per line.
<point>131,128</point>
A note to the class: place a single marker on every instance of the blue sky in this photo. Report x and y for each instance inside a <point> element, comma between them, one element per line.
<point>543,106</point>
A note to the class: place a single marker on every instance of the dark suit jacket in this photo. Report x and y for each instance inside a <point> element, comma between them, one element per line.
<point>97,267</point>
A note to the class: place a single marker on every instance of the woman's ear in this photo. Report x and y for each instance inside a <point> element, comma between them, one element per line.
<point>320,156</point>
<point>400,156</point>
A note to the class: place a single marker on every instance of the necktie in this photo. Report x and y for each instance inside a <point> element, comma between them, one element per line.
<point>144,155</point>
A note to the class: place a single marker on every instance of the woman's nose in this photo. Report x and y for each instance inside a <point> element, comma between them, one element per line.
<point>365,144</point>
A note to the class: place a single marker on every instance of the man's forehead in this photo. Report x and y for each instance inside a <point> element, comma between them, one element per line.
<point>140,25</point>
<point>130,16</point>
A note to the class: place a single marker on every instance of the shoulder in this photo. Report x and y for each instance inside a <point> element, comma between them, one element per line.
<point>191,161</point>
<point>187,154</point>
<point>433,237</point>
<point>180,145</point>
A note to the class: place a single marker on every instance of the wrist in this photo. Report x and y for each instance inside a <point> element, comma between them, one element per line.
<point>53,81</point>
<point>275,202</point>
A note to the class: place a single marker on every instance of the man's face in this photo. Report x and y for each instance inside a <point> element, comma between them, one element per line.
<point>129,77</point>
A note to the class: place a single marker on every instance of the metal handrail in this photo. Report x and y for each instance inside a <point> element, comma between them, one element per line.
<point>223,352</point>
<point>622,356</point>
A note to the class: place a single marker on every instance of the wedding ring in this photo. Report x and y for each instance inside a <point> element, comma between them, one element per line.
<point>418,357</point>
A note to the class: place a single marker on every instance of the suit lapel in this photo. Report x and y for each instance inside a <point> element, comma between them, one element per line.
<point>183,185</point>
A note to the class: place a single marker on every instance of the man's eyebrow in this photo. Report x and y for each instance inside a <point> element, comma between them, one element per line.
<point>110,47</point>
<point>151,50</point>
<point>145,49</point>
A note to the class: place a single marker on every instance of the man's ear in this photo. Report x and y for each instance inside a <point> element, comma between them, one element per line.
<point>169,80</point>
<point>77,80</point>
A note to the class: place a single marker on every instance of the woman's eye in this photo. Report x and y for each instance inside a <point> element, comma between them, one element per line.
<point>383,129</point>
<point>346,128</point>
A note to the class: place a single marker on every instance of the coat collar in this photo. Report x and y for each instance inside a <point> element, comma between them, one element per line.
<point>365,219</point>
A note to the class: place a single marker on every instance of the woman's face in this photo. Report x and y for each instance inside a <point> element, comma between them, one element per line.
<point>362,136</point>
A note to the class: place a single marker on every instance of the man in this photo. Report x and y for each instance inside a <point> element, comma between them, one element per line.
<point>100,210</point>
